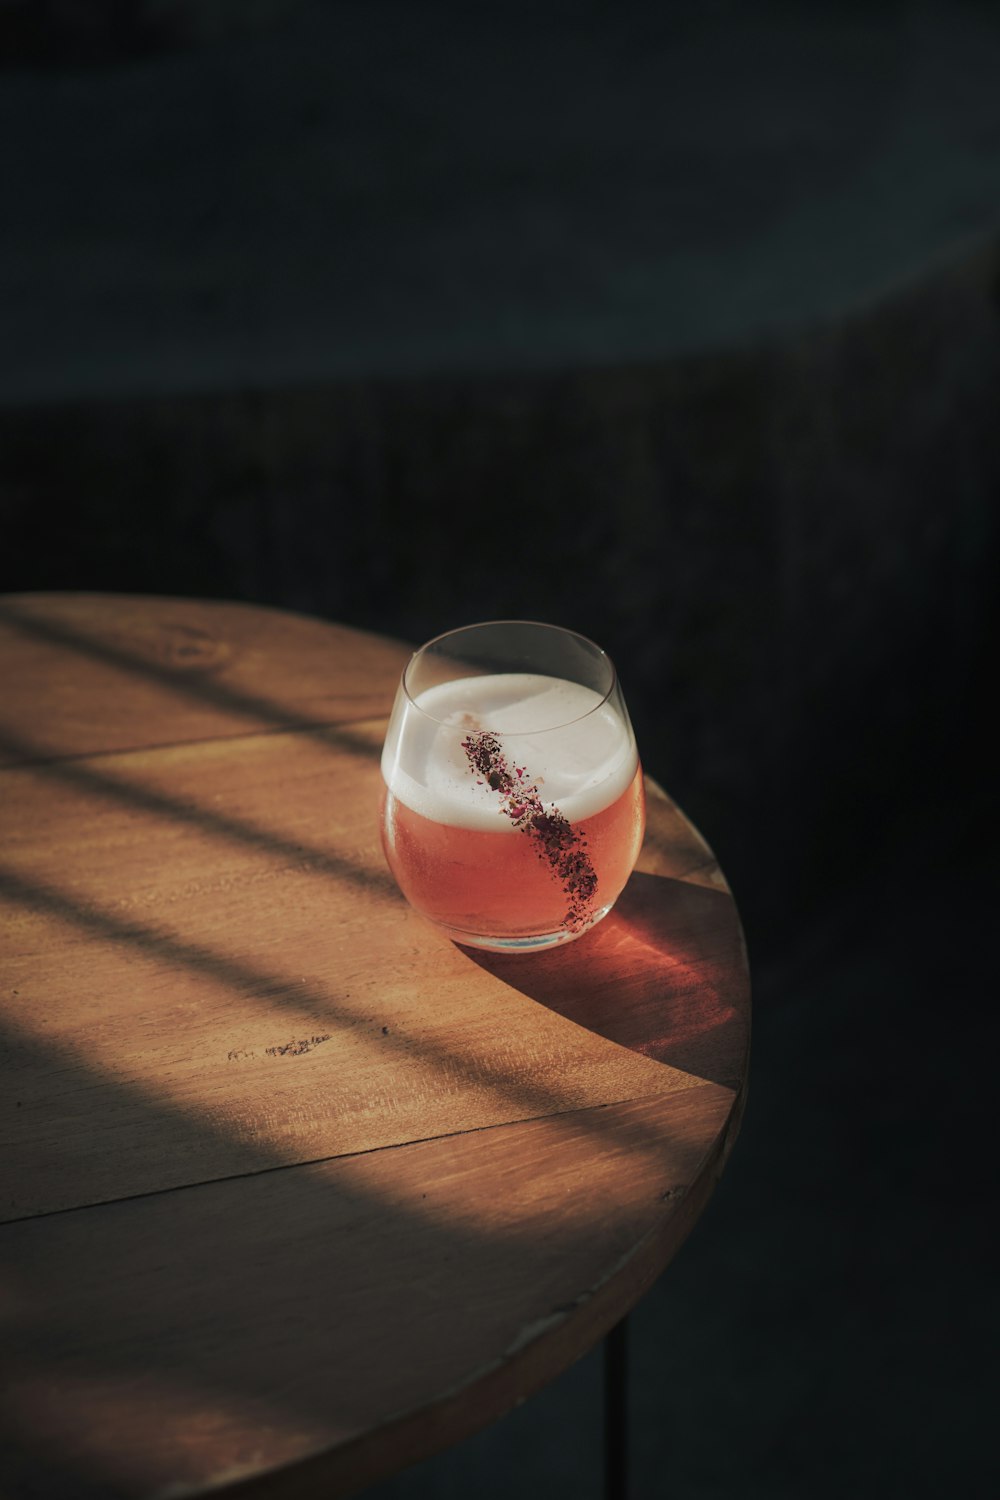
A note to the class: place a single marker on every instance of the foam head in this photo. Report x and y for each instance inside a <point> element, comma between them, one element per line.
<point>574,746</point>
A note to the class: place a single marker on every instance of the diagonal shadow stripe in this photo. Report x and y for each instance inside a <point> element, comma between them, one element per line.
<point>530,1099</point>
<point>36,1343</point>
<point>93,779</point>
<point>215,694</point>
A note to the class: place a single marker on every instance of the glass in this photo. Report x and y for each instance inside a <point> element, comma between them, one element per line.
<point>513,808</point>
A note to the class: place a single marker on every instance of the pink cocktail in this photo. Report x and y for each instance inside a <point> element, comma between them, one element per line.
<point>513,809</point>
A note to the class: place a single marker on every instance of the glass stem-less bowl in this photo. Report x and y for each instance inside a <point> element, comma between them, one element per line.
<point>512,810</point>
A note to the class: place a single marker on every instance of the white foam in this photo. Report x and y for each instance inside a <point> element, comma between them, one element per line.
<point>581,767</point>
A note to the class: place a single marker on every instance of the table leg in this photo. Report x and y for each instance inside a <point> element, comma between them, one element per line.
<point>616,1412</point>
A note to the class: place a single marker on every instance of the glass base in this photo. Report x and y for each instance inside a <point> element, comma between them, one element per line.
<point>531,943</point>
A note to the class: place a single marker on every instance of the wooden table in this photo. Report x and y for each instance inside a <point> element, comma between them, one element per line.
<point>294,1191</point>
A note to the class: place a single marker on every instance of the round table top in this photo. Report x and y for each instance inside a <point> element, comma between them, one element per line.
<point>294,1190</point>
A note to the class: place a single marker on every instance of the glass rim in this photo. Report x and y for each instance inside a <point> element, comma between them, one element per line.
<point>535,625</point>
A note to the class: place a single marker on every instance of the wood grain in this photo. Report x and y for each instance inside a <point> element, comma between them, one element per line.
<point>259,1321</point>
<point>87,673</point>
<point>292,1189</point>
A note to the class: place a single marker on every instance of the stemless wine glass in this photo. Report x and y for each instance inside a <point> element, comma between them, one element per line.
<point>513,808</point>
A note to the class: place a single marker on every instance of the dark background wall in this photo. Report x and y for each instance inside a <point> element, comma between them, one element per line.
<point>679,325</point>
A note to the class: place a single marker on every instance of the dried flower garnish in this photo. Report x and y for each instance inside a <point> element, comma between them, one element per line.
<point>554,837</point>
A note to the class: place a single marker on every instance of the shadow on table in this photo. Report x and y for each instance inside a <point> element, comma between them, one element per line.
<point>653,976</point>
<point>198,687</point>
<point>259,1247</point>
